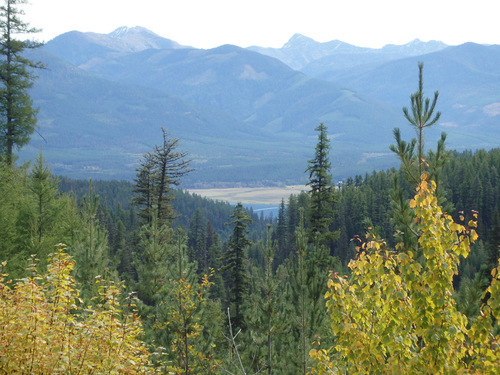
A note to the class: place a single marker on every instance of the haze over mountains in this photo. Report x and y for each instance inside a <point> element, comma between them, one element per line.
<point>247,116</point>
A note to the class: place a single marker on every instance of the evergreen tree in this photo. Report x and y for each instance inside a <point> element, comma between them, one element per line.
<point>151,261</point>
<point>236,261</point>
<point>294,209</point>
<point>320,212</point>
<point>90,250</point>
<point>265,314</point>
<point>215,262</point>
<point>158,172</point>
<point>187,306</point>
<point>44,189</point>
<point>17,114</point>
<point>34,216</point>
<point>282,250</point>
<point>197,241</point>
<point>12,189</point>
<point>415,162</point>
<point>308,275</point>
<point>122,254</point>
<point>173,304</point>
<point>45,216</point>
<point>493,245</point>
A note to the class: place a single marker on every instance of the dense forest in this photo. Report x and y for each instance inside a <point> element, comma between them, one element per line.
<point>392,272</point>
<point>243,293</point>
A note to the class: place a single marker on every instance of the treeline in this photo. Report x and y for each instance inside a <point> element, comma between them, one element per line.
<point>362,202</point>
<point>118,277</point>
<point>98,222</point>
<point>102,231</point>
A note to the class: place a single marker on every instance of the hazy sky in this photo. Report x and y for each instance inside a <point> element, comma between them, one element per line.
<point>270,23</point>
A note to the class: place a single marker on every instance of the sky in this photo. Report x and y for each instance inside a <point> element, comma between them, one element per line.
<point>271,23</point>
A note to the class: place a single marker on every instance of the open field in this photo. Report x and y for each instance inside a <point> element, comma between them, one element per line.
<point>247,195</point>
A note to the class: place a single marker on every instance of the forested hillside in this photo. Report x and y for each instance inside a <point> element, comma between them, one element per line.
<point>393,272</point>
<point>363,201</point>
<point>246,118</point>
<point>98,223</point>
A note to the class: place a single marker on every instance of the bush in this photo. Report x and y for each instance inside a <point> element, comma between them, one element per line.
<point>46,330</point>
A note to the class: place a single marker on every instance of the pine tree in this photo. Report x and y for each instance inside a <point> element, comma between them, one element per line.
<point>236,261</point>
<point>17,114</point>
<point>34,216</point>
<point>186,304</point>
<point>282,250</point>
<point>90,250</point>
<point>197,241</point>
<point>322,199</point>
<point>415,161</point>
<point>122,256</point>
<point>159,171</point>
<point>215,262</point>
<point>12,189</point>
<point>265,314</point>
<point>308,275</point>
<point>44,189</point>
<point>493,245</point>
<point>45,216</point>
<point>152,261</point>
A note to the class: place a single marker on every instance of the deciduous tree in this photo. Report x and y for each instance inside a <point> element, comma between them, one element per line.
<point>396,314</point>
<point>45,330</point>
<point>187,302</point>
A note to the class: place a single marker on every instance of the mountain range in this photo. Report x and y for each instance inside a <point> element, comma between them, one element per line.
<point>247,116</point>
<point>307,55</point>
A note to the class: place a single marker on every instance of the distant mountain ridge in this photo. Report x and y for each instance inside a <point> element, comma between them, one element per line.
<point>301,51</point>
<point>79,47</point>
<point>245,117</point>
<point>251,87</point>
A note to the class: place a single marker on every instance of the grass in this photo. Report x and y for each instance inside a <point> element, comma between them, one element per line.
<point>249,195</point>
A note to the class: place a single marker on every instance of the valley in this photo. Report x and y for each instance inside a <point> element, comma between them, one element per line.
<point>246,116</point>
<point>251,196</point>
<point>177,176</point>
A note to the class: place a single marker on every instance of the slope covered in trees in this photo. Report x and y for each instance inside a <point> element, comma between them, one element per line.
<point>275,109</point>
<point>143,278</point>
<point>283,266</point>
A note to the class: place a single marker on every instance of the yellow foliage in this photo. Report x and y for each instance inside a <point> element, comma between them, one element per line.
<point>396,315</point>
<point>186,328</point>
<point>44,330</point>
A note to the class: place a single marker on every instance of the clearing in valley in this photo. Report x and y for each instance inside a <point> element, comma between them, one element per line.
<point>249,195</point>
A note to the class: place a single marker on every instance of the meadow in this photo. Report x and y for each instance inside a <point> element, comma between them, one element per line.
<point>251,195</point>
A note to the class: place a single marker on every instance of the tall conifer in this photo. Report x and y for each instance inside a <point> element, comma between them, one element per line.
<point>159,171</point>
<point>236,260</point>
<point>90,249</point>
<point>17,114</point>
<point>415,161</point>
<point>320,211</point>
